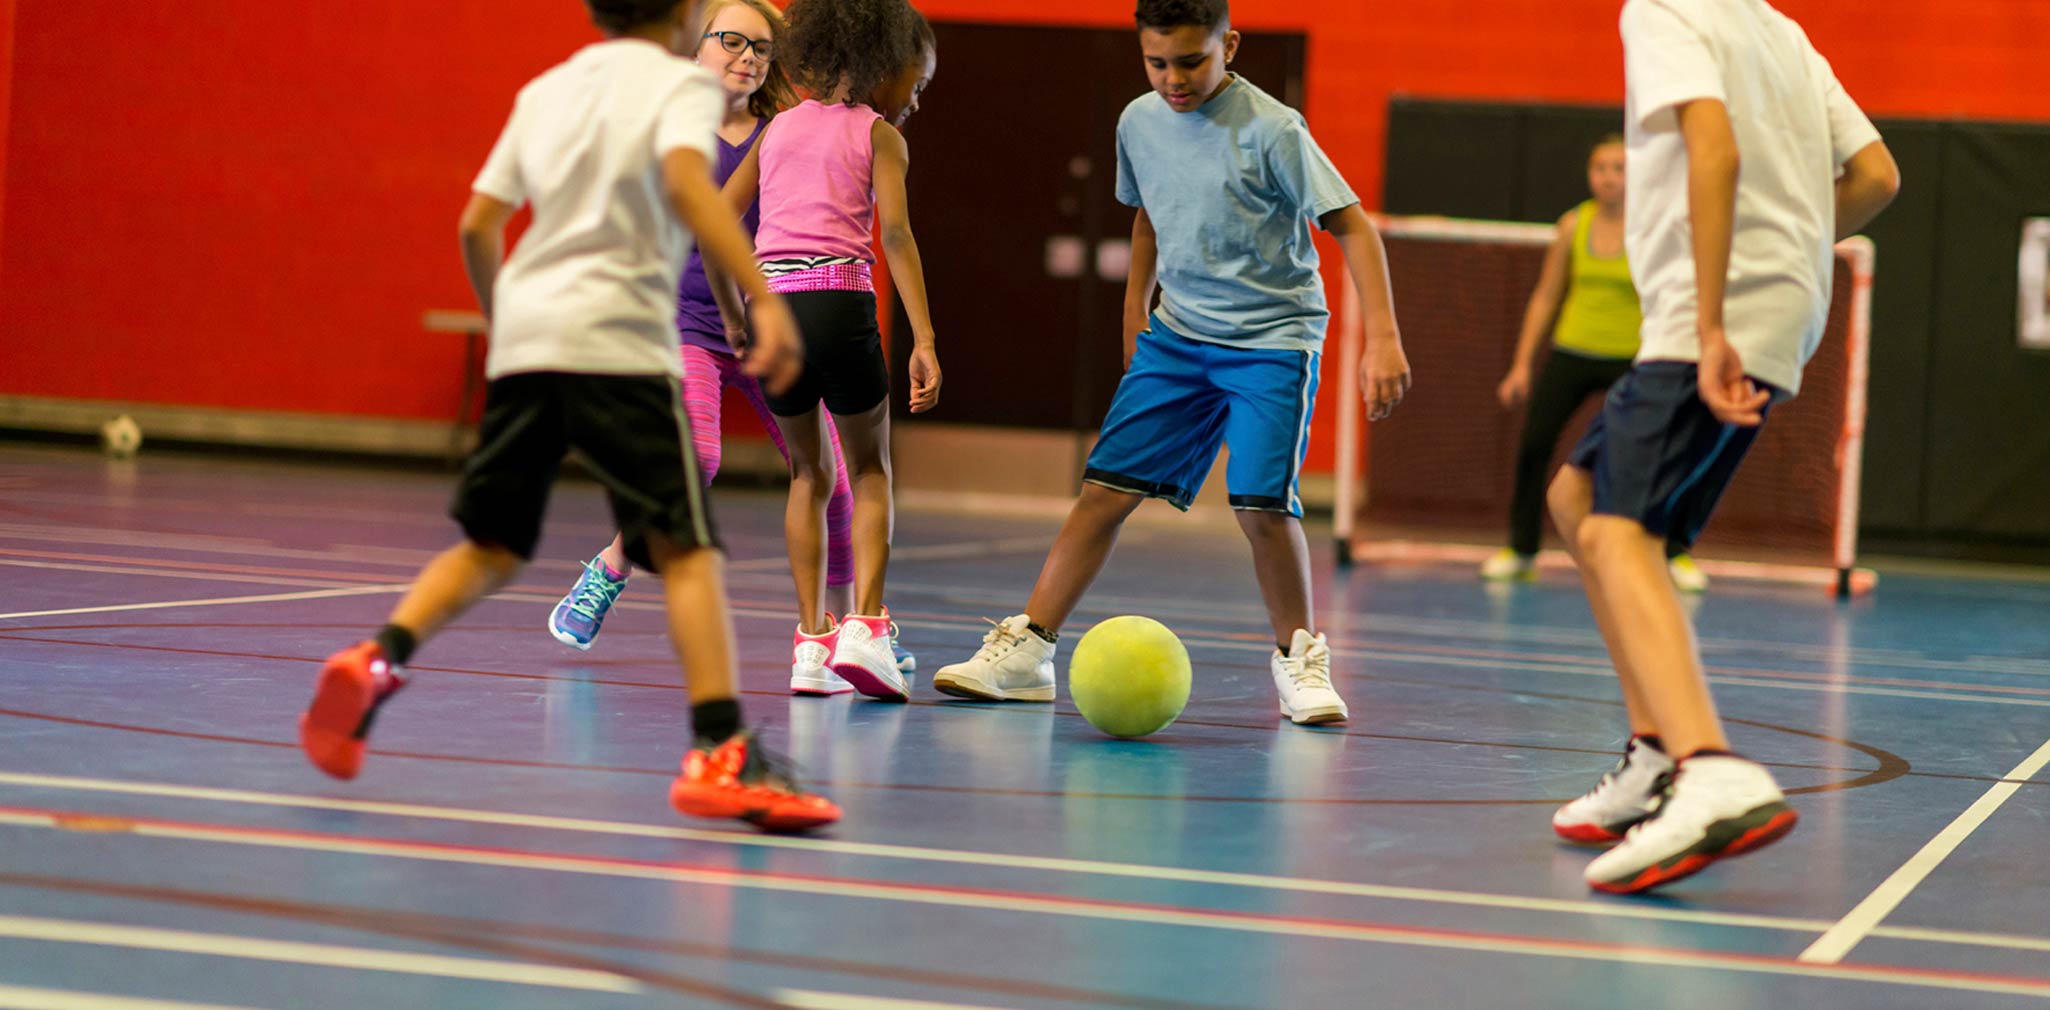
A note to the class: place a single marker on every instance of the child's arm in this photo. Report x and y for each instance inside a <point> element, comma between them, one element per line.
<point>482,230</point>
<point>1870,181</point>
<point>1712,163</point>
<point>1538,315</point>
<point>892,161</point>
<point>741,191</point>
<point>775,354</point>
<point>1384,369</point>
<point>1140,278</point>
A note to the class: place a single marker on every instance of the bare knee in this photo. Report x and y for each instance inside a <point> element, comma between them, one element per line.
<point>1259,524</point>
<point>1105,503</point>
<point>1569,498</point>
<point>812,478</point>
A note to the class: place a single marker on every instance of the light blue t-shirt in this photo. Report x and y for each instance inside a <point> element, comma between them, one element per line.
<point>1232,189</point>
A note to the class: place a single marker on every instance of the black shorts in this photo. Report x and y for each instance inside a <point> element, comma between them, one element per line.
<point>843,355</point>
<point>630,430</point>
<point>1658,455</point>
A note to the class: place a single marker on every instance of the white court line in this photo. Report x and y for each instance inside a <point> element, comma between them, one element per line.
<point>168,573</point>
<point>216,602</point>
<point>1665,958</point>
<point>806,999</point>
<point>1861,920</point>
<point>14,997</point>
<point>326,955</point>
<point>1052,864</point>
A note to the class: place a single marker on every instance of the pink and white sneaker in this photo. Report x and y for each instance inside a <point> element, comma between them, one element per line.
<point>811,663</point>
<point>863,657</point>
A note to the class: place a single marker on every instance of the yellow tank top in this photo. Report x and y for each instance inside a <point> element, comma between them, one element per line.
<point>1600,317</point>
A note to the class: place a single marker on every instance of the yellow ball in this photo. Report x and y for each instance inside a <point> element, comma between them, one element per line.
<point>1129,676</point>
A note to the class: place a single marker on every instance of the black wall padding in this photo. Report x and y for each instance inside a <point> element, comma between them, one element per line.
<point>1957,450</point>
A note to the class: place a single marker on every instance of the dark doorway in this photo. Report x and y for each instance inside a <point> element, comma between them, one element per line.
<point>1013,169</point>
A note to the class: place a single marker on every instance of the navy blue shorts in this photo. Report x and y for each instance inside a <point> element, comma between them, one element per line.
<point>1184,398</point>
<point>1658,455</point>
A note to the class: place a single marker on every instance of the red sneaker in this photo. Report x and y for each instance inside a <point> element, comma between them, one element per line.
<point>352,685</point>
<point>742,779</point>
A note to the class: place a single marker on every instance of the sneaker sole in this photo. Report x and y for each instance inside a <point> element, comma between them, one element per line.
<point>327,729</point>
<point>885,684</point>
<point>818,687</point>
<point>1587,834</point>
<point>974,690</point>
<point>1315,716</point>
<point>1755,829</point>
<point>565,638</point>
<point>721,804</point>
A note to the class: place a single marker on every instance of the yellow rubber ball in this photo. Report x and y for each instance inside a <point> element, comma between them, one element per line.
<point>1129,676</point>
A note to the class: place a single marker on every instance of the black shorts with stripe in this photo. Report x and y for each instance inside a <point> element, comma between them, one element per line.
<point>630,430</point>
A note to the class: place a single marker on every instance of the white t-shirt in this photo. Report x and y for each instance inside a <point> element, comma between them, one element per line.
<point>1795,129</point>
<point>591,287</point>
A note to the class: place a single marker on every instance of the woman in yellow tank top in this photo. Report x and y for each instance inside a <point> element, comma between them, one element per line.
<point>1586,285</point>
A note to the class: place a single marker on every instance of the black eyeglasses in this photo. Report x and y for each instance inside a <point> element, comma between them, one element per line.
<point>736,43</point>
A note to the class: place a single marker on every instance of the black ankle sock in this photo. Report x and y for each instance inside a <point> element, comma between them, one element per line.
<point>398,644</point>
<point>1650,740</point>
<point>1710,752</point>
<point>1281,648</point>
<point>715,720</point>
<point>1049,637</point>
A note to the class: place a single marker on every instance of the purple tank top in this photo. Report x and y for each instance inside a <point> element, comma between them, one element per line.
<point>697,315</point>
<point>818,188</point>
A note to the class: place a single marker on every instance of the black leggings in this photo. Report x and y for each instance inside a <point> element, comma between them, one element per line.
<point>1566,380</point>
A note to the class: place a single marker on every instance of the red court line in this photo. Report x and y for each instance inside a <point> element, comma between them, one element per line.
<point>1053,903</point>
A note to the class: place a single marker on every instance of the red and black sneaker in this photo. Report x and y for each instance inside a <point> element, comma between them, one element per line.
<point>353,683</point>
<point>744,780</point>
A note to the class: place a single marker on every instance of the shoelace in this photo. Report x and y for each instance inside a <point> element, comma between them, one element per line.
<point>1000,639</point>
<point>766,767</point>
<point>594,592</point>
<point>1313,669</point>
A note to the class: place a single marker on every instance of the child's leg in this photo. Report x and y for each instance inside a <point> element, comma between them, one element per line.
<point>839,594</point>
<point>451,584</point>
<point>1562,384</point>
<point>1570,498</point>
<point>1078,553</point>
<point>700,621</point>
<point>703,371</point>
<point>1281,560</point>
<point>804,513</point>
<point>865,439</point>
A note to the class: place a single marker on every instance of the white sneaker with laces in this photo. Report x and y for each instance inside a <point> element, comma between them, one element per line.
<point>1303,678</point>
<point>862,656</point>
<point>1717,807</point>
<point>1625,796</point>
<point>1014,664</point>
<point>811,663</point>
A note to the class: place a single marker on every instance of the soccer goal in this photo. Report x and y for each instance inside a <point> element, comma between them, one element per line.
<point>1439,471</point>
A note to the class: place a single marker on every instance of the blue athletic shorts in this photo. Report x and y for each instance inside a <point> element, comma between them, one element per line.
<point>1183,398</point>
<point>1657,454</point>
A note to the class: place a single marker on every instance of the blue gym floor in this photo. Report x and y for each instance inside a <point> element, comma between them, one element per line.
<point>509,845</point>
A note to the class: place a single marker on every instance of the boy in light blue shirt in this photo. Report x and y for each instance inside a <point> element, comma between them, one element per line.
<point>1226,181</point>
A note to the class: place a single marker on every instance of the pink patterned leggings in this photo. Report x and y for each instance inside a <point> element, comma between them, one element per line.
<point>705,371</point>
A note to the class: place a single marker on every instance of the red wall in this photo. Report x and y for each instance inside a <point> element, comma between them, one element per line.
<point>252,211</point>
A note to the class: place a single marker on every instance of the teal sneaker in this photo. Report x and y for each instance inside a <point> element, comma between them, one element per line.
<point>576,620</point>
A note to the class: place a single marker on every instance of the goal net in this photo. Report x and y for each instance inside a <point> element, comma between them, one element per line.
<point>1439,470</point>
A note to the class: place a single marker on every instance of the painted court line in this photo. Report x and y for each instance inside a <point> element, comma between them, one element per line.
<point>998,860</point>
<point>325,955</point>
<point>985,901</point>
<point>15,997</point>
<point>806,999</point>
<point>1863,919</point>
<point>222,601</point>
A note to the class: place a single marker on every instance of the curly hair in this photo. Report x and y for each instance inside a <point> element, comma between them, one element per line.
<point>1209,15</point>
<point>859,43</point>
<point>776,93</point>
<point>621,16</point>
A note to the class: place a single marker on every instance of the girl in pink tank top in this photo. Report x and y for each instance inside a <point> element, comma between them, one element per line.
<point>826,172</point>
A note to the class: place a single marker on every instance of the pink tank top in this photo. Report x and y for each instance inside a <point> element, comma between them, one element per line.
<point>818,184</point>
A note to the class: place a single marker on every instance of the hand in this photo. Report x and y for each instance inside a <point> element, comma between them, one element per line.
<point>776,354</point>
<point>1384,375</point>
<point>1515,388</point>
<point>925,377</point>
<point>1731,396</point>
<point>1133,327</point>
<point>737,338</point>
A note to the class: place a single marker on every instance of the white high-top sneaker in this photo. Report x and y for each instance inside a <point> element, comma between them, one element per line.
<point>811,663</point>
<point>1303,678</point>
<point>1718,806</point>
<point>1624,797</point>
<point>1013,665</point>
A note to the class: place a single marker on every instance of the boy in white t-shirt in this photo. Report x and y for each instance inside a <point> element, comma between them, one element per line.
<point>1734,272</point>
<point>613,149</point>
